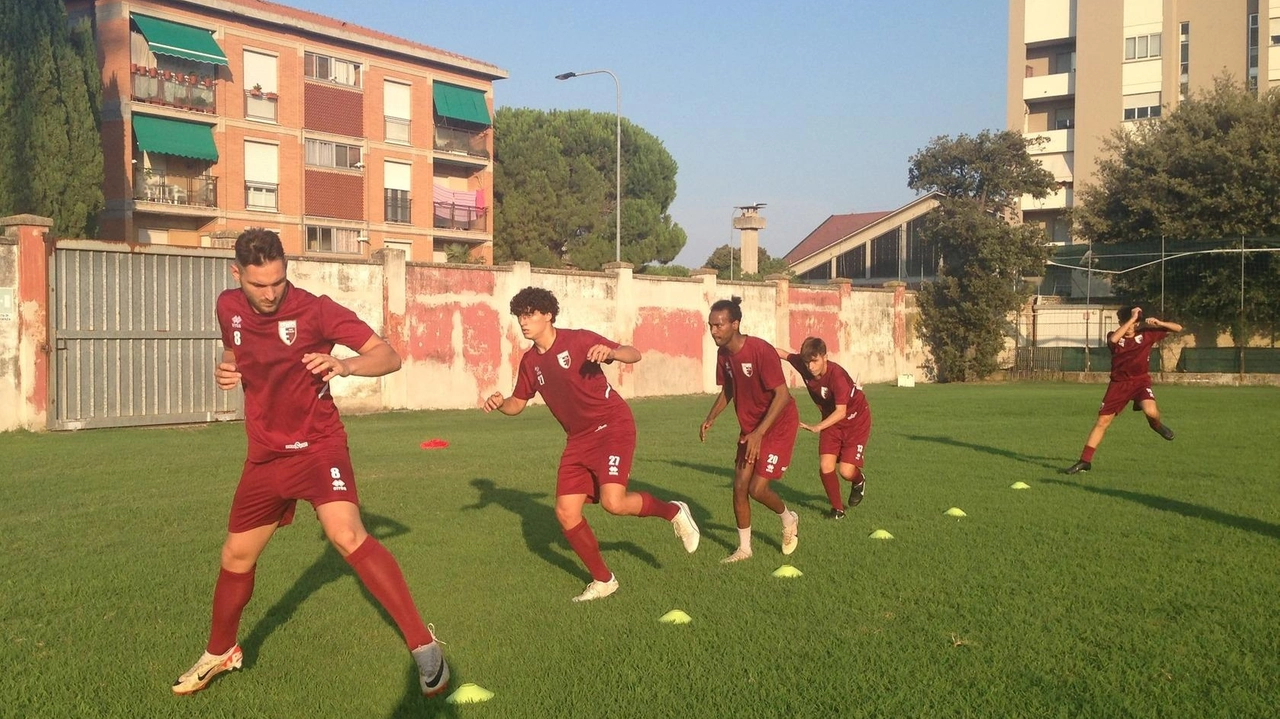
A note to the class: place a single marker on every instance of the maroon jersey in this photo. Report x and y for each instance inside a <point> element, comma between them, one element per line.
<point>749,377</point>
<point>287,409</point>
<point>832,388</point>
<point>575,390</point>
<point>1131,356</point>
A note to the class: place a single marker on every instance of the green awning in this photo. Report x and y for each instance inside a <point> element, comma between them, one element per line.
<point>175,137</point>
<point>184,41</point>
<point>461,103</point>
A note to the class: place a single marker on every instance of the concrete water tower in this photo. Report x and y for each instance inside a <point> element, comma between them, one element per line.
<point>749,222</point>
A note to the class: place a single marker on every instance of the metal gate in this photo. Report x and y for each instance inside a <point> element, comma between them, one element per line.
<point>135,337</point>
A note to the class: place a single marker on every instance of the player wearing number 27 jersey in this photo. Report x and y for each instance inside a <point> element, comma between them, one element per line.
<point>563,366</point>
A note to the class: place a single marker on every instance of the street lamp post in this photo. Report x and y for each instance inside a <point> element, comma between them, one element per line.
<point>617,230</point>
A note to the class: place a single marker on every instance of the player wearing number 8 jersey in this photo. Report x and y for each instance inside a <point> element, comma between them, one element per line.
<point>563,366</point>
<point>278,342</point>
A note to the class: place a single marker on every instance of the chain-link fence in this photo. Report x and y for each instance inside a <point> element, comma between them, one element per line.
<point>1225,292</point>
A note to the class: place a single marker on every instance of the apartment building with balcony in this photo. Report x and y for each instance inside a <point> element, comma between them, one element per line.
<point>218,115</point>
<point>1080,69</point>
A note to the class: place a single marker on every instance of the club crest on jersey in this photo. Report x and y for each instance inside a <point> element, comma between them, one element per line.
<point>563,359</point>
<point>746,369</point>
<point>288,331</point>
<point>823,392</point>
<point>235,322</point>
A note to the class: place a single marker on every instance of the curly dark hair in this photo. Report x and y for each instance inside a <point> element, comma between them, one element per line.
<point>1124,313</point>
<point>733,306</point>
<point>256,246</point>
<point>535,299</point>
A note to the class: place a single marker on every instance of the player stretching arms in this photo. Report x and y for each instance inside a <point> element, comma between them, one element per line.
<point>1130,346</point>
<point>277,342</point>
<point>563,365</point>
<point>845,425</point>
<point>749,373</point>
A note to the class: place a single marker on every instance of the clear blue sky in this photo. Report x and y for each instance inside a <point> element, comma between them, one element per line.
<point>812,107</point>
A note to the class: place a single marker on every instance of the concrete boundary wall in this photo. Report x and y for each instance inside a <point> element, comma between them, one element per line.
<point>459,342</point>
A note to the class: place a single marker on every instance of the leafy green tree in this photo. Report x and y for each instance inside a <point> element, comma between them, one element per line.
<point>1208,171</point>
<point>726,260</point>
<point>554,175</point>
<point>983,257</point>
<point>50,149</point>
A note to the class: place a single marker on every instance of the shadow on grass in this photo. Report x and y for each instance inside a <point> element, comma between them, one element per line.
<point>541,531</point>
<point>792,497</point>
<point>710,530</point>
<point>1039,461</point>
<point>1186,509</point>
<point>415,705</point>
<point>329,567</point>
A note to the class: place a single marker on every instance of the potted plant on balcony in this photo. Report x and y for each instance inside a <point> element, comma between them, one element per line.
<point>256,91</point>
<point>271,95</point>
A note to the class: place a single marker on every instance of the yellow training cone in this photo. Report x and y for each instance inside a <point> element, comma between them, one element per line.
<point>955,512</point>
<point>881,534</point>
<point>470,694</point>
<point>787,570</point>
<point>1019,485</point>
<point>675,616</point>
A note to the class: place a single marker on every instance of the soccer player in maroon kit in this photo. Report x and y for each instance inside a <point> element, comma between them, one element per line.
<point>563,365</point>
<point>1130,346</point>
<point>277,342</point>
<point>749,373</point>
<point>846,421</point>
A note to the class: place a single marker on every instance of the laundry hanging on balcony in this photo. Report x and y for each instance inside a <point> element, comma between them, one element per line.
<point>458,206</point>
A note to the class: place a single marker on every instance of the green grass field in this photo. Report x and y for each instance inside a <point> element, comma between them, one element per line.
<point>1148,587</point>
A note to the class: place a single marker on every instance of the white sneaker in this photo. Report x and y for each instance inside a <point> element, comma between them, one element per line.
<point>206,668</point>
<point>598,590</point>
<point>791,534</point>
<point>738,555</point>
<point>433,672</point>
<point>686,528</point>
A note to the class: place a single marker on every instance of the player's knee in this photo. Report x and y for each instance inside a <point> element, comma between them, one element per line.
<point>759,488</point>
<point>613,504</point>
<point>237,558</point>
<point>568,517</point>
<point>347,539</point>
<point>1104,420</point>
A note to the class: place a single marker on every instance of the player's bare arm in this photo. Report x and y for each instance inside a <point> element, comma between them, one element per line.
<point>717,407</point>
<point>225,374</point>
<point>838,414</point>
<point>782,354</point>
<point>510,406</point>
<point>752,439</point>
<point>1154,323</point>
<point>1127,327</point>
<point>604,354</point>
<point>374,359</point>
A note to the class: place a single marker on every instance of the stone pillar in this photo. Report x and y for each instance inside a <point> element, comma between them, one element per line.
<point>35,248</point>
<point>848,333</point>
<point>900,347</point>
<point>395,326</point>
<point>624,321</point>
<point>710,291</point>
<point>749,224</point>
<point>781,309</point>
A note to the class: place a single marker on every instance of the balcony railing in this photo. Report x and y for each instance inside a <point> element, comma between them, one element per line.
<point>398,206</point>
<point>262,196</point>
<point>172,89</point>
<point>157,186</point>
<point>396,130</point>
<point>451,216</point>
<point>260,105</point>
<point>451,139</point>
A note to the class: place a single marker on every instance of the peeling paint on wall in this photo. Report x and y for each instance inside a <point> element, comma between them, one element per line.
<point>676,333</point>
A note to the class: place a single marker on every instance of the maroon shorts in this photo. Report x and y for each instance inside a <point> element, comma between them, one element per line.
<point>775,448</point>
<point>595,458</point>
<point>846,440</point>
<point>268,491</point>
<point>1121,393</point>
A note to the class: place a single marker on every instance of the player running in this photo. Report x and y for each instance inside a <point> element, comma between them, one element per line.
<point>563,365</point>
<point>1130,346</point>
<point>846,421</point>
<point>278,341</point>
<point>749,373</point>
